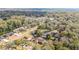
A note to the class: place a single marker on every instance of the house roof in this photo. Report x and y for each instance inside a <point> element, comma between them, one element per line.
<point>39,39</point>
<point>15,36</point>
<point>27,47</point>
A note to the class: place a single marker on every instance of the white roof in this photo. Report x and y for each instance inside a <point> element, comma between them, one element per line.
<point>29,39</point>
<point>5,40</point>
<point>16,34</point>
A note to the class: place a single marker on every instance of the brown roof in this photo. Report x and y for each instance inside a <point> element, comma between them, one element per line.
<point>39,39</point>
<point>15,37</point>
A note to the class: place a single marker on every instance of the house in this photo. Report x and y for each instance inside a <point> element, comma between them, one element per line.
<point>5,40</point>
<point>27,47</point>
<point>45,34</point>
<point>8,34</point>
<point>1,38</point>
<point>29,39</point>
<point>15,36</point>
<point>39,40</point>
<point>20,29</point>
<point>51,19</point>
<point>54,31</point>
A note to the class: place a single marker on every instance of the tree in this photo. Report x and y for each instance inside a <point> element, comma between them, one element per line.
<point>74,45</point>
<point>20,42</point>
<point>38,32</point>
<point>49,37</point>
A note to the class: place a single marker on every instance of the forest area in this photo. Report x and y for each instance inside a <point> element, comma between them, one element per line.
<point>38,30</point>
